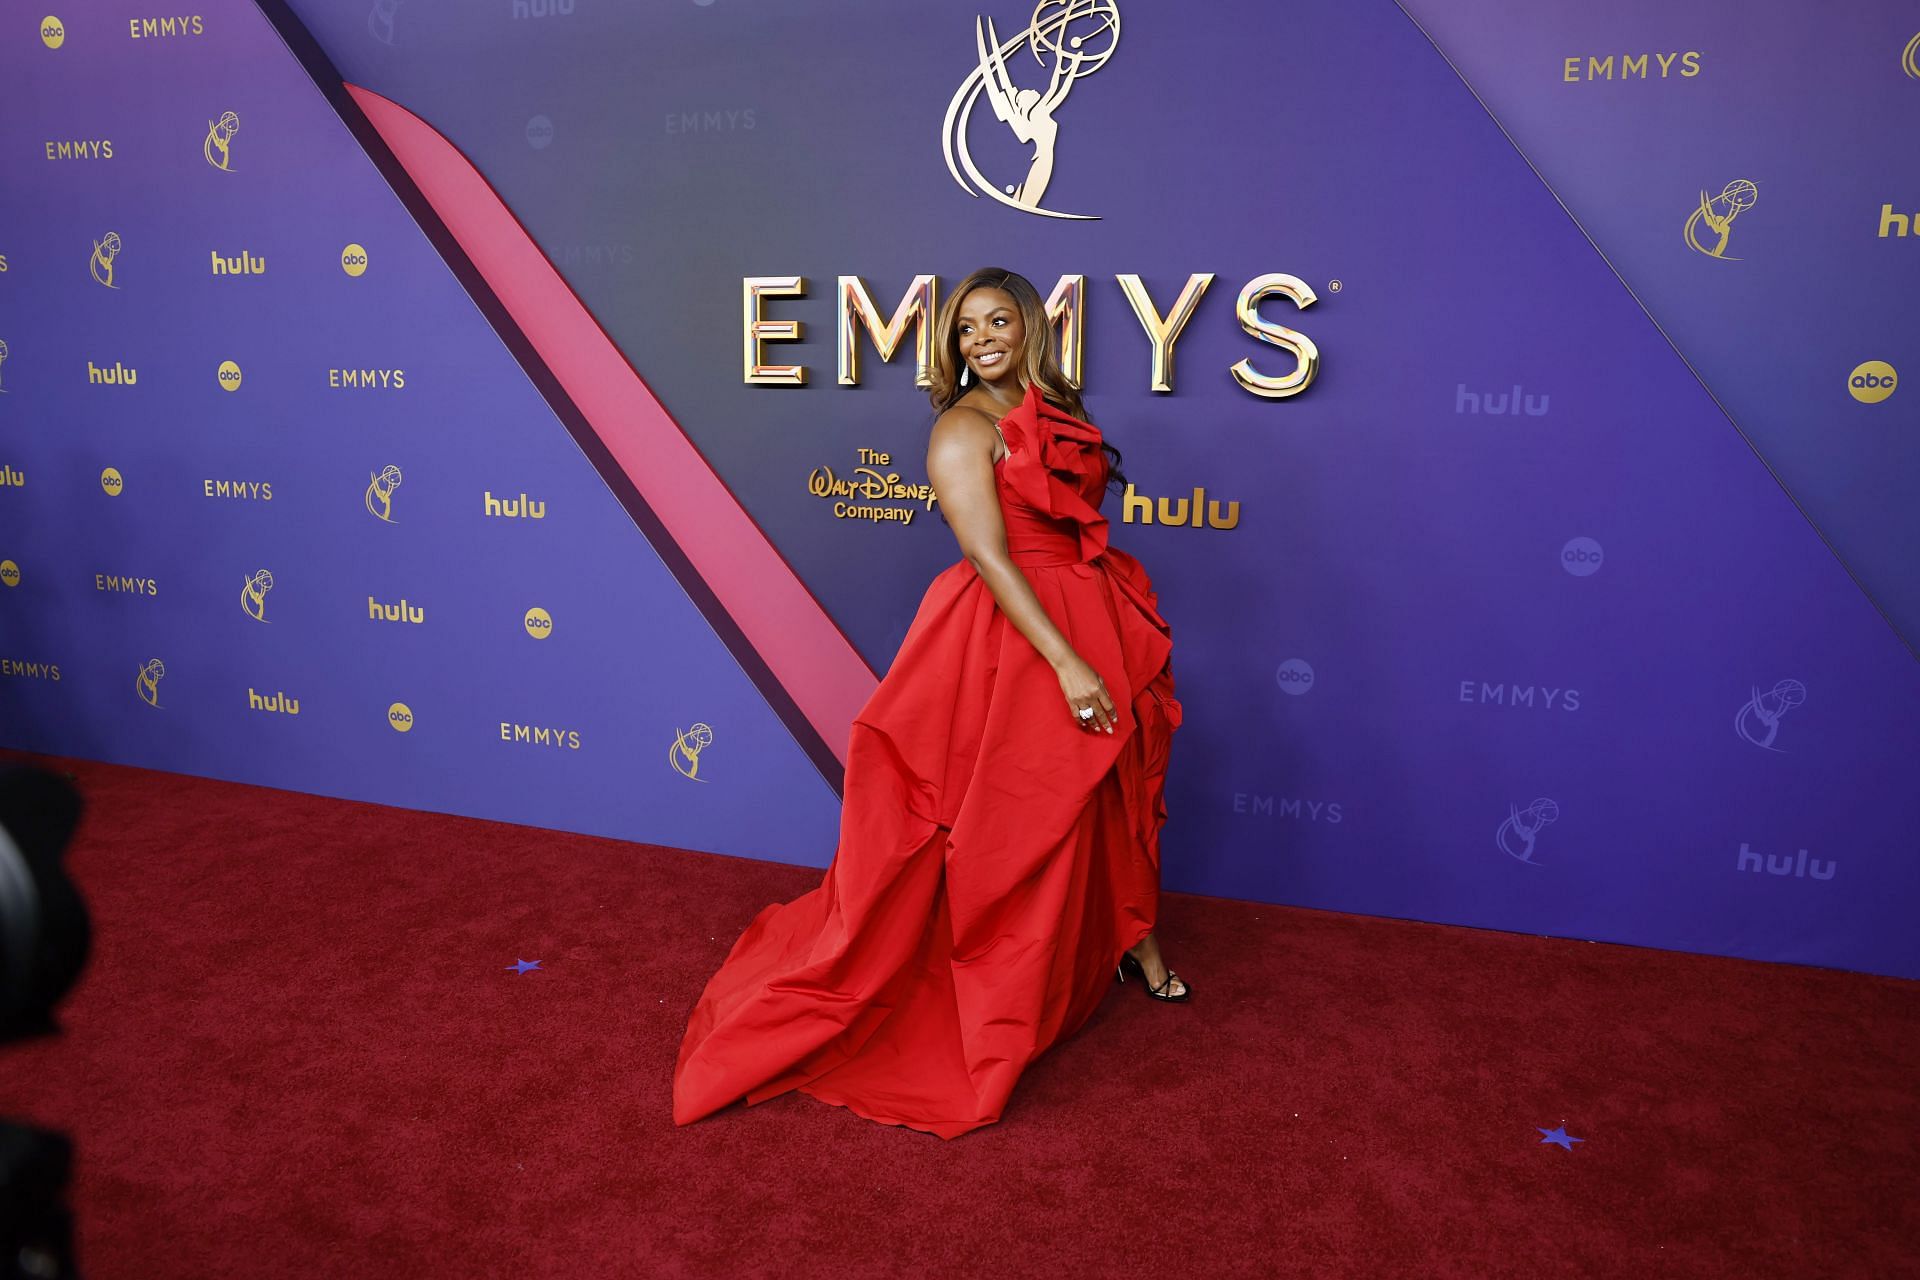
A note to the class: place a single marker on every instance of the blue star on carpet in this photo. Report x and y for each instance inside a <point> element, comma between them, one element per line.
<point>1558,1137</point>
<point>522,966</point>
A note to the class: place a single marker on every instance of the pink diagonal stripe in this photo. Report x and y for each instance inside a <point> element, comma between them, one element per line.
<point>807,653</point>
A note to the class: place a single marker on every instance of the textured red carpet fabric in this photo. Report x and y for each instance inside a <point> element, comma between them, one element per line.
<point>301,1049</point>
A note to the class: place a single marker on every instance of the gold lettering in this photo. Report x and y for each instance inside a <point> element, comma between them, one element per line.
<point>857,311</point>
<point>1066,308</point>
<point>758,330</point>
<point>1630,63</point>
<point>1305,354</point>
<point>1164,332</point>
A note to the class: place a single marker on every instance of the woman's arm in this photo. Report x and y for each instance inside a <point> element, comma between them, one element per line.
<point>960,466</point>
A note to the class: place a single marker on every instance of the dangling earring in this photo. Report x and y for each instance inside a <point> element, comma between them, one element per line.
<point>964,371</point>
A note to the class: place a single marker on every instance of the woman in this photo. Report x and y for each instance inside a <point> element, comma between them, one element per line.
<point>1000,833</point>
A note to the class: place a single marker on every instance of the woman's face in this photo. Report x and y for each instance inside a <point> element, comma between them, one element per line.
<point>991,335</point>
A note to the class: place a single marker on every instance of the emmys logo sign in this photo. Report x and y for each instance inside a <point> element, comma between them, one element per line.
<point>1785,865</point>
<point>114,582</point>
<point>520,508</point>
<point>247,490</point>
<point>155,28</point>
<point>253,595</point>
<point>147,682</point>
<point>278,704</point>
<point>1517,835</point>
<point>870,486</point>
<point>593,255</point>
<point>1519,695</point>
<point>1716,214</point>
<point>684,754</point>
<point>1325,811</point>
<point>402,612</point>
<point>1497,405</point>
<point>1631,66</point>
<point>48,671</point>
<point>1872,382</point>
<point>218,144</point>
<point>1139,509</point>
<point>380,487</point>
<point>1758,719</point>
<point>368,379</point>
<point>119,375</point>
<point>540,736</point>
<point>1068,40</point>
<point>80,149</point>
<point>1066,311</point>
<point>730,120</point>
<point>100,266</point>
<point>246,264</point>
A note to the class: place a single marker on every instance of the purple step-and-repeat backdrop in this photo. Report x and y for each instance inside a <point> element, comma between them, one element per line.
<point>1569,594</point>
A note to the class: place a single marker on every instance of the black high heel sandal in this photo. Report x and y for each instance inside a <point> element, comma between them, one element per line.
<point>1159,992</point>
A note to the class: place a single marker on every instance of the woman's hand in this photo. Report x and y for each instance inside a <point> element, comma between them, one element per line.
<point>1084,688</point>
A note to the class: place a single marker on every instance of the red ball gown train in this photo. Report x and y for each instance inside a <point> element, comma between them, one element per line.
<point>994,858</point>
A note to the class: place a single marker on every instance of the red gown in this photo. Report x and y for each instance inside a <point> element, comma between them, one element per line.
<point>994,858</point>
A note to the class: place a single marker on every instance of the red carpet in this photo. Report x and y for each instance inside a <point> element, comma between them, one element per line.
<point>300,1050</point>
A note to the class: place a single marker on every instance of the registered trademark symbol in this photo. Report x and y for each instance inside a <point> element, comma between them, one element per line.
<point>1334,286</point>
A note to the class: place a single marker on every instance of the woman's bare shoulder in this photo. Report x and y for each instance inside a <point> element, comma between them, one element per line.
<point>961,427</point>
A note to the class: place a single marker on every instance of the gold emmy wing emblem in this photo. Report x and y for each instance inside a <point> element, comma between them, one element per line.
<point>217,147</point>
<point>1910,57</point>
<point>1070,40</point>
<point>3,364</point>
<point>253,595</point>
<point>684,754</point>
<point>1717,215</point>
<point>147,683</point>
<point>105,250</point>
<point>380,493</point>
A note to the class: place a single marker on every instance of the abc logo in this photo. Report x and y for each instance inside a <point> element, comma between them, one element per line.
<point>1872,382</point>
<point>353,260</point>
<point>1581,557</point>
<point>400,716</point>
<point>539,133</point>
<point>110,481</point>
<point>9,573</point>
<point>539,623</point>
<point>229,376</point>
<point>1295,676</point>
<point>52,33</point>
